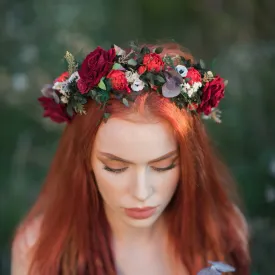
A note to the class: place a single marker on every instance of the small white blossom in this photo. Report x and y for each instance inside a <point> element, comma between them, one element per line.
<point>64,99</point>
<point>57,85</point>
<point>138,85</point>
<point>210,74</point>
<point>131,76</point>
<point>191,90</point>
<point>119,51</point>
<point>73,76</point>
<point>182,70</point>
<point>196,86</point>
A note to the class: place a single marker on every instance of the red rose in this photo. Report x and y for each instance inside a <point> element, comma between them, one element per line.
<point>213,92</point>
<point>118,80</point>
<point>62,77</point>
<point>194,76</point>
<point>153,62</point>
<point>96,65</point>
<point>56,112</point>
<point>141,70</point>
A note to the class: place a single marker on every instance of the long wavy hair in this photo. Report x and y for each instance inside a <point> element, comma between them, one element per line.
<point>203,221</point>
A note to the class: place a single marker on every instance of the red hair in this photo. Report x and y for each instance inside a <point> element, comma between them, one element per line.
<point>202,219</point>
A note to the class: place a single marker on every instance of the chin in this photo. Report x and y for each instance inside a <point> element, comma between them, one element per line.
<point>148,222</point>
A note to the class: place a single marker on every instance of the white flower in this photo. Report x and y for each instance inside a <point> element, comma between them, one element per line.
<point>182,70</point>
<point>196,86</point>
<point>62,87</point>
<point>191,90</point>
<point>57,85</point>
<point>64,99</point>
<point>119,51</point>
<point>73,76</point>
<point>138,85</point>
<point>210,74</point>
<point>131,76</point>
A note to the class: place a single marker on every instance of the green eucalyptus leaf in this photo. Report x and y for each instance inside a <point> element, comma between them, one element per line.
<point>125,102</point>
<point>134,46</point>
<point>202,64</point>
<point>225,83</point>
<point>106,115</point>
<point>145,50</point>
<point>83,100</point>
<point>160,79</point>
<point>101,84</point>
<point>132,62</point>
<point>117,66</point>
<point>70,110</point>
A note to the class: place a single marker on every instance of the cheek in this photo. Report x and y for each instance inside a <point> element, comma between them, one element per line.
<point>167,184</point>
<point>110,186</point>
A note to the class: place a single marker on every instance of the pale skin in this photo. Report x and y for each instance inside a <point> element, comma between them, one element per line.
<point>136,164</point>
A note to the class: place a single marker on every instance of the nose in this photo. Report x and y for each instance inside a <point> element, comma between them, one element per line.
<point>142,189</point>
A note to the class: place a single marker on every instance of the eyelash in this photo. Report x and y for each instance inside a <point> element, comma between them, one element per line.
<point>173,165</point>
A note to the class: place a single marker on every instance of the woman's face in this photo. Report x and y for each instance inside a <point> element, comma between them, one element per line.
<point>136,166</point>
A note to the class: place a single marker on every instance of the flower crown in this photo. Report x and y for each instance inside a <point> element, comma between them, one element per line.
<point>116,74</point>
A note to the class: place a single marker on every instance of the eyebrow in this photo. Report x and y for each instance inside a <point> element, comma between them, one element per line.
<point>114,157</point>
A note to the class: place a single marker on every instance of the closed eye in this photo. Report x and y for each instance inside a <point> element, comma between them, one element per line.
<point>120,170</point>
<point>158,169</point>
<point>173,165</point>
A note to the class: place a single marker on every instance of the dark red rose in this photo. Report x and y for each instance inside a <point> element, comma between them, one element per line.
<point>153,62</point>
<point>64,76</point>
<point>82,86</point>
<point>118,81</point>
<point>56,112</point>
<point>194,76</point>
<point>213,92</point>
<point>96,65</point>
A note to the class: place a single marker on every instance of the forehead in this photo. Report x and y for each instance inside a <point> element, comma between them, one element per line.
<point>135,141</point>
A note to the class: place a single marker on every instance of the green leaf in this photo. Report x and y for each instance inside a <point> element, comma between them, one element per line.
<point>134,46</point>
<point>202,64</point>
<point>160,79</point>
<point>132,62</point>
<point>125,102</point>
<point>168,60</point>
<point>145,50</point>
<point>101,84</point>
<point>225,83</point>
<point>83,100</point>
<point>70,110</point>
<point>117,66</point>
<point>158,50</point>
<point>106,115</point>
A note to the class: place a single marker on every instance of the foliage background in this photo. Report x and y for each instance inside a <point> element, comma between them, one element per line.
<point>239,36</point>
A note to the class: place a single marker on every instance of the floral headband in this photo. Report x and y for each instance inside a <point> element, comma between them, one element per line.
<point>116,74</point>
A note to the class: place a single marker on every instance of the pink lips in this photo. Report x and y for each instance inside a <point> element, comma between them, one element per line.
<point>140,213</point>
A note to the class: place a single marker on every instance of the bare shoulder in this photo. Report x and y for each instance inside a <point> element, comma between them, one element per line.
<point>22,245</point>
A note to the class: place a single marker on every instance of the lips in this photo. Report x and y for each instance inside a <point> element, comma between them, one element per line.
<point>140,213</point>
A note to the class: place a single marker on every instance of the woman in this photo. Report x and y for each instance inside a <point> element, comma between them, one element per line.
<point>134,187</point>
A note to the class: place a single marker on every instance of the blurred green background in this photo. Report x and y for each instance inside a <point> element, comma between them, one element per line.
<point>236,38</point>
